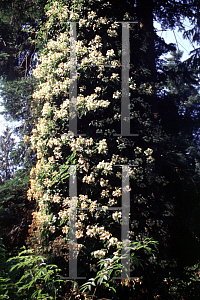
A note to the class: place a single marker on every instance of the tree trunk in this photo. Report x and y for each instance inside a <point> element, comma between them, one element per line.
<point>144,13</point>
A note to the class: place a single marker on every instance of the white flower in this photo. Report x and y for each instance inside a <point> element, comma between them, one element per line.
<point>91,15</point>
<point>102,147</point>
<point>110,53</point>
<point>73,15</point>
<point>103,182</point>
<point>46,109</point>
<point>138,150</point>
<point>65,229</point>
<point>116,216</point>
<point>133,86</point>
<point>112,202</point>
<point>114,76</point>
<point>82,22</point>
<point>79,234</point>
<point>99,253</point>
<point>116,95</point>
<point>52,228</point>
<point>82,216</point>
<point>148,152</point>
<point>56,198</point>
<point>112,241</point>
<point>112,33</point>
<point>105,193</point>
<point>93,206</point>
<point>117,192</point>
<point>97,89</point>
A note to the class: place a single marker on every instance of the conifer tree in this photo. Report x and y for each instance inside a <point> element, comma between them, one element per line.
<point>98,156</point>
<point>7,145</point>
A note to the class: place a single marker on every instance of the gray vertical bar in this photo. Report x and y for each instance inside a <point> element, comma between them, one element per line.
<point>125,252</point>
<point>73,252</point>
<point>73,80</point>
<point>125,222</point>
<point>72,223</point>
<point>125,102</point>
<point>125,109</point>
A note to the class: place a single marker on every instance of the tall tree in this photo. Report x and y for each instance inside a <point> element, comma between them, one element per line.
<point>7,146</point>
<point>154,199</point>
<point>17,18</point>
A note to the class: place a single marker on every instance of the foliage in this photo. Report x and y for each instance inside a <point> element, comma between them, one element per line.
<point>162,158</point>
<point>16,46</point>
<point>32,277</point>
<point>95,156</point>
<point>7,146</point>
<point>111,268</point>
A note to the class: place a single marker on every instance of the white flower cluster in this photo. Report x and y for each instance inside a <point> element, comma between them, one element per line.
<point>66,202</point>
<point>115,76</point>
<point>82,216</point>
<point>99,253</point>
<point>63,214</point>
<point>65,229</point>
<point>56,198</point>
<point>104,193</point>
<point>89,179</point>
<point>110,53</point>
<point>93,231</point>
<point>106,167</point>
<point>112,242</point>
<point>112,32</point>
<point>46,109</point>
<point>96,57</point>
<point>117,216</point>
<point>112,202</point>
<point>60,43</point>
<point>91,103</point>
<point>97,89</point>
<point>83,197</point>
<point>79,143</point>
<point>57,152</point>
<point>93,206</point>
<point>53,141</point>
<point>103,182</point>
<point>91,14</point>
<point>42,126</point>
<point>52,228</point>
<point>47,197</point>
<point>81,49</point>
<point>117,192</point>
<point>138,150</point>
<point>79,234</point>
<point>102,147</point>
<point>73,16</point>
<point>133,86</point>
<point>83,165</point>
<point>148,152</point>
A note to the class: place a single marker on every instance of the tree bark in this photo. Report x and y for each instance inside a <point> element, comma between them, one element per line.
<point>144,14</point>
